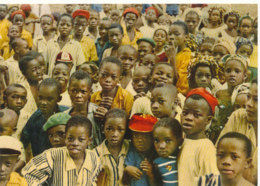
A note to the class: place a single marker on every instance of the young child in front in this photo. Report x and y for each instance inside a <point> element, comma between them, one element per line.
<point>138,170</point>
<point>70,165</point>
<point>233,157</point>
<point>113,150</point>
<point>55,128</point>
<point>160,37</point>
<point>197,113</point>
<point>111,95</point>
<point>10,149</point>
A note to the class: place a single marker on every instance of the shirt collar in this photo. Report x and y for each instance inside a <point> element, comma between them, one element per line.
<point>124,149</point>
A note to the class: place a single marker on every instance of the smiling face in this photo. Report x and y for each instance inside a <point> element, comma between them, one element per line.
<point>61,73</point>
<point>160,37</point>
<point>162,74</point>
<point>252,104</point>
<point>234,73</point>
<point>65,26</point>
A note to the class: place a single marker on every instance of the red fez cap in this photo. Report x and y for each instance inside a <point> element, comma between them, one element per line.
<point>25,7</point>
<point>142,123</point>
<point>79,12</point>
<point>212,101</point>
<point>131,10</point>
<point>17,12</point>
<point>64,57</point>
<point>153,8</point>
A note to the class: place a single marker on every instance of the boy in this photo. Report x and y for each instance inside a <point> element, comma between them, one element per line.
<point>197,113</point>
<point>145,46</point>
<point>48,97</point>
<point>138,170</point>
<point>8,122</point>
<point>10,149</point>
<point>80,22</point>
<point>149,60</point>
<point>111,95</point>
<point>92,30</point>
<point>55,128</point>
<point>4,23</point>
<point>114,148</point>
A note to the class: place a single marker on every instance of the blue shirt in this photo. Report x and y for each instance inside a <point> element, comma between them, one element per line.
<point>101,50</point>
<point>172,9</point>
<point>34,134</point>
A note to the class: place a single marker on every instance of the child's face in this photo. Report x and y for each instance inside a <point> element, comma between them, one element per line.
<point>80,24</point>
<point>77,140</point>
<point>165,142</point>
<point>164,20</point>
<point>56,136</point>
<point>246,28</point>
<point>115,131</point>
<point>103,28</point>
<point>231,158</point>
<point>162,103</point>
<point>22,47</point>
<point>160,37</point>
<point>93,19</point>
<point>48,97</point>
<point>115,16</point>
<point>34,71</point>
<point>88,68</point>
<point>18,20</point>
<point>128,58</point>
<point>144,48</point>
<point>109,76</point>
<point>106,7</point>
<point>61,73</point>
<point>214,16</point>
<point>115,36</point>
<point>245,50</point>
<point>203,76</point>
<point>84,6</point>
<point>162,74</point>
<point>7,164</point>
<point>195,116</point>
<point>140,81</point>
<point>16,99</point>
<point>219,52</point>
<point>6,130</point>
<point>148,60</point>
<point>79,91</point>
<point>234,73</point>
<point>206,49</point>
<point>151,15</point>
<point>251,104</point>
<point>65,26</point>
<point>240,101</point>
<point>142,141</point>
<point>192,22</point>
<point>231,22</point>
<point>3,12</point>
<point>42,62</point>
<point>69,8</point>
<point>130,20</point>
<point>177,33</point>
<point>14,32</point>
<point>46,24</point>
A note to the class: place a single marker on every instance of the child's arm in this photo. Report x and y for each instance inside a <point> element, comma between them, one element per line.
<point>100,113</point>
<point>131,172</point>
<point>146,166</point>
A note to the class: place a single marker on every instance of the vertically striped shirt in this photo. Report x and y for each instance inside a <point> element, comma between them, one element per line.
<point>209,180</point>
<point>56,167</point>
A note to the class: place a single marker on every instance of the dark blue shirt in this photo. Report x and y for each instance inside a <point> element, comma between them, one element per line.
<point>101,50</point>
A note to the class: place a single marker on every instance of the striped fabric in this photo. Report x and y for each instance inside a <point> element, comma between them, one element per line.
<point>56,167</point>
<point>209,180</point>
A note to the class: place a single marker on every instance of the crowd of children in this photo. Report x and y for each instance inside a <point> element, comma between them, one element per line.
<point>132,94</point>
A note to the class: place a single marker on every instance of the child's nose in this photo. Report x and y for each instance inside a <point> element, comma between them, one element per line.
<point>162,145</point>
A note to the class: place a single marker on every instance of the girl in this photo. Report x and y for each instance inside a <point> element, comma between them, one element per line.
<point>160,38</point>
<point>192,19</point>
<point>245,26</point>
<point>239,96</point>
<point>233,157</point>
<point>231,20</point>
<point>55,166</point>
<point>206,46</point>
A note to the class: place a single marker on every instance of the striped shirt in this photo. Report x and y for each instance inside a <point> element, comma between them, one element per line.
<point>56,167</point>
<point>210,180</point>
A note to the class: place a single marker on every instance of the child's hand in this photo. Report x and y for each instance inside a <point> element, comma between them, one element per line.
<point>134,172</point>
<point>146,166</point>
<point>100,113</point>
<point>170,51</point>
<point>106,102</point>
<point>138,95</point>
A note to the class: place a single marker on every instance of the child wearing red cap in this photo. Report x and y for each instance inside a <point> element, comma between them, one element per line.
<point>92,29</point>
<point>138,170</point>
<point>30,18</point>
<point>197,113</point>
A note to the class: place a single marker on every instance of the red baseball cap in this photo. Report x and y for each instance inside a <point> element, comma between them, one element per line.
<point>142,123</point>
<point>131,10</point>
<point>80,12</point>
<point>64,57</point>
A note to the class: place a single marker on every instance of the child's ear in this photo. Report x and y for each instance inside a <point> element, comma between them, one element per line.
<point>248,162</point>
<point>245,76</point>
<point>89,141</point>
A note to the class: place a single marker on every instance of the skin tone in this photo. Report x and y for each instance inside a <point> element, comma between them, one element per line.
<point>16,98</point>
<point>231,23</point>
<point>93,23</point>
<point>77,140</point>
<point>203,77</point>
<point>151,17</point>
<point>34,72</point>
<point>61,73</point>
<point>206,49</point>
<point>48,97</point>
<point>65,27</point>
<point>20,49</point>
<point>79,24</point>
<point>107,8</point>
<point>130,21</point>
<point>214,19</point>
<point>42,63</point>
<point>143,49</point>
<point>177,33</point>
<point>140,81</point>
<point>84,6</point>
<point>251,105</point>
<point>56,136</point>
<point>192,21</point>
<point>245,50</point>
<point>195,117</point>
<point>240,101</point>
<point>18,20</point>
<point>149,60</point>
<point>219,51</point>
<point>115,16</point>
<point>162,74</point>
<point>114,130</point>
<point>13,32</point>
<point>231,161</point>
<point>246,27</point>
<point>8,122</point>
<point>3,12</point>
<point>160,37</point>
<point>164,20</point>
<point>79,91</point>
<point>115,37</point>
<point>7,164</point>
<point>46,25</point>
<point>91,69</point>
<point>69,8</point>
<point>103,31</point>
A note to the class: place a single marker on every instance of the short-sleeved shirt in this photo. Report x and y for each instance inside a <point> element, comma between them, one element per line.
<point>89,49</point>
<point>126,39</point>
<point>40,44</point>
<point>101,49</point>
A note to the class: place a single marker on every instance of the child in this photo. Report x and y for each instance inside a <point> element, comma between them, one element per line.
<point>106,10</point>
<point>164,20</point>
<point>167,137</point>
<point>10,149</point>
<point>239,96</point>
<point>115,16</point>
<point>149,60</point>
<point>206,46</point>
<point>8,122</point>
<point>55,128</point>
<point>245,26</point>
<point>145,46</point>
<point>160,37</point>
<point>48,97</point>
<point>64,43</point>
<point>192,19</point>
<point>80,22</point>
<point>138,170</point>
<point>231,20</point>
<point>18,18</point>
<point>4,23</point>
<point>80,91</point>
<point>244,47</point>
<point>233,157</point>
<point>127,54</point>
<point>55,166</point>
<point>197,113</point>
<point>113,150</point>
<point>40,42</point>
<point>92,30</point>
<point>111,95</point>
<point>39,57</point>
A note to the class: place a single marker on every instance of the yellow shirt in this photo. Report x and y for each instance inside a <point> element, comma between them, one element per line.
<point>4,25</point>
<point>126,39</point>
<point>5,50</point>
<point>123,99</point>
<point>113,168</point>
<point>89,49</point>
<point>196,158</point>
<point>16,180</point>
<point>253,57</point>
<point>28,37</point>
<point>183,59</point>
<point>107,52</point>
